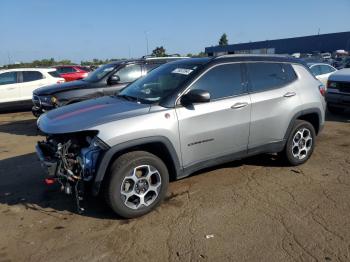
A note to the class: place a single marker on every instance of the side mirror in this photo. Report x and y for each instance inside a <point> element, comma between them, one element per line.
<point>195,96</point>
<point>113,79</point>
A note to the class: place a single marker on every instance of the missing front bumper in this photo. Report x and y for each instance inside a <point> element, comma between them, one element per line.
<point>49,165</point>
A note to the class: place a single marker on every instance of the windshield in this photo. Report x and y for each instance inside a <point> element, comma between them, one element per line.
<point>99,73</point>
<point>159,83</point>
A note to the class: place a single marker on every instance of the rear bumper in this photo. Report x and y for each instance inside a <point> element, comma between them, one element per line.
<point>49,165</point>
<point>338,99</point>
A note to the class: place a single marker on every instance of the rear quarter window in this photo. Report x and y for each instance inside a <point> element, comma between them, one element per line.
<point>54,74</point>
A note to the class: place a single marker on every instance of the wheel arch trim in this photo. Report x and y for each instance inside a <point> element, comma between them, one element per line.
<point>314,110</point>
<point>110,153</point>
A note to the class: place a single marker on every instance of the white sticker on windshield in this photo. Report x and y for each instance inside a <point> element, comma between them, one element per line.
<point>183,71</point>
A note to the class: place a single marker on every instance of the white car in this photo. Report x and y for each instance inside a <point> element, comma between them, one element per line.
<point>321,71</point>
<point>17,85</point>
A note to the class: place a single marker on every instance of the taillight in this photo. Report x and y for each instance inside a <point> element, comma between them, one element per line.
<point>322,89</point>
<point>331,84</point>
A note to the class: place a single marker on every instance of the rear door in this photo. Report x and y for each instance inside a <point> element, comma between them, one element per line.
<point>274,99</point>
<point>220,127</point>
<point>30,80</point>
<point>9,88</point>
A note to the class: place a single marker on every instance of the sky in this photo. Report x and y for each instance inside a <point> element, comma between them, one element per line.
<point>83,30</point>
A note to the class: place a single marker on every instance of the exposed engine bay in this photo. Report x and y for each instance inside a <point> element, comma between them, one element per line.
<point>71,160</point>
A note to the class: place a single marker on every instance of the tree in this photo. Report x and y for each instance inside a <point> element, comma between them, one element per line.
<point>200,54</point>
<point>159,51</point>
<point>223,40</point>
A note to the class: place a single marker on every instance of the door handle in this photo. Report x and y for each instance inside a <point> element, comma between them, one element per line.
<point>10,88</point>
<point>239,105</point>
<point>289,94</point>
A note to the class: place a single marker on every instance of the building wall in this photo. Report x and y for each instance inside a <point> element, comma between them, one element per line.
<point>305,44</point>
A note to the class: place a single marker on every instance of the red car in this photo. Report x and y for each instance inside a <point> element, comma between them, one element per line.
<point>72,72</point>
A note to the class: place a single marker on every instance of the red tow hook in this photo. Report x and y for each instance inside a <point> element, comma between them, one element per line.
<point>49,181</point>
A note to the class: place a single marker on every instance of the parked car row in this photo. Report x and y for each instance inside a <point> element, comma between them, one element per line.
<point>72,72</point>
<point>130,126</point>
<point>181,117</point>
<point>338,91</point>
<point>17,85</point>
<point>105,80</point>
<point>341,62</point>
<point>321,71</point>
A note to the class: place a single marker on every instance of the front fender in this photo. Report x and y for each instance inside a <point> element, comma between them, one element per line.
<point>110,153</point>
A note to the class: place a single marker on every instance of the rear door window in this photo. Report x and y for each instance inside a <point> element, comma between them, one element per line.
<point>29,76</point>
<point>8,78</point>
<point>316,70</point>
<point>150,67</point>
<point>221,81</point>
<point>129,73</point>
<point>267,76</point>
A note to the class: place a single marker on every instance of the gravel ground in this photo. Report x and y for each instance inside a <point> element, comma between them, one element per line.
<point>250,210</point>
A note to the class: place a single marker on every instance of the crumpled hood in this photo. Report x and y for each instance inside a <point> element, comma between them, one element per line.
<point>88,114</point>
<point>52,89</point>
<point>342,75</point>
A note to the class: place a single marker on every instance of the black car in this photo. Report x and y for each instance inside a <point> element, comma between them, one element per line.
<point>341,62</point>
<point>106,80</point>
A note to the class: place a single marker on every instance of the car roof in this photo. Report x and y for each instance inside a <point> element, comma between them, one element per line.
<point>147,58</point>
<point>29,69</point>
<point>312,64</point>
<point>262,58</point>
<point>66,66</point>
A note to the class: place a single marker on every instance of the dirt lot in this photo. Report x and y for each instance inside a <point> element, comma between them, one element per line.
<point>255,209</point>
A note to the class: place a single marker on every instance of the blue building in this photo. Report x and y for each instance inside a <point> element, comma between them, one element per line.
<point>305,44</point>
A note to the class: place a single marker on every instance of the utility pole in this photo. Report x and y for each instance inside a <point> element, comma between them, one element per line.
<point>9,57</point>
<point>146,35</point>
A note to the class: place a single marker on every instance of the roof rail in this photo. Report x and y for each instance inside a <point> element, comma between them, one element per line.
<point>250,55</point>
<point>147,56</point>
<point>160,57</point>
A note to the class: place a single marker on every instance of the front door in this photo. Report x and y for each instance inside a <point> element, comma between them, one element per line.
<point>220,127</point>
<point>9,89</point>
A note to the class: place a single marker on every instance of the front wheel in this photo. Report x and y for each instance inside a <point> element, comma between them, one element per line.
<point>300,143</point>
<point>138,183</point>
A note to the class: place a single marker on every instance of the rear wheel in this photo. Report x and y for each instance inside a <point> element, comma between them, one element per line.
<point>138,183</point>
<point>300,143</point>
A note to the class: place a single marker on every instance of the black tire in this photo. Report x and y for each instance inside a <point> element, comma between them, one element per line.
<point>288,151</point>
<point>335,110</point>
<point>121,168</point>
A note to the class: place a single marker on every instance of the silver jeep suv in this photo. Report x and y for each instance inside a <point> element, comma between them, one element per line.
<point>182,117</point>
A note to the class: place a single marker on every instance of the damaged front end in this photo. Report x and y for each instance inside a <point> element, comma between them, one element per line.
<point>71,159</point>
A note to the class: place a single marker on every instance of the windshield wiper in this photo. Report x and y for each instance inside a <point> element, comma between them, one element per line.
<point>129,98</point>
